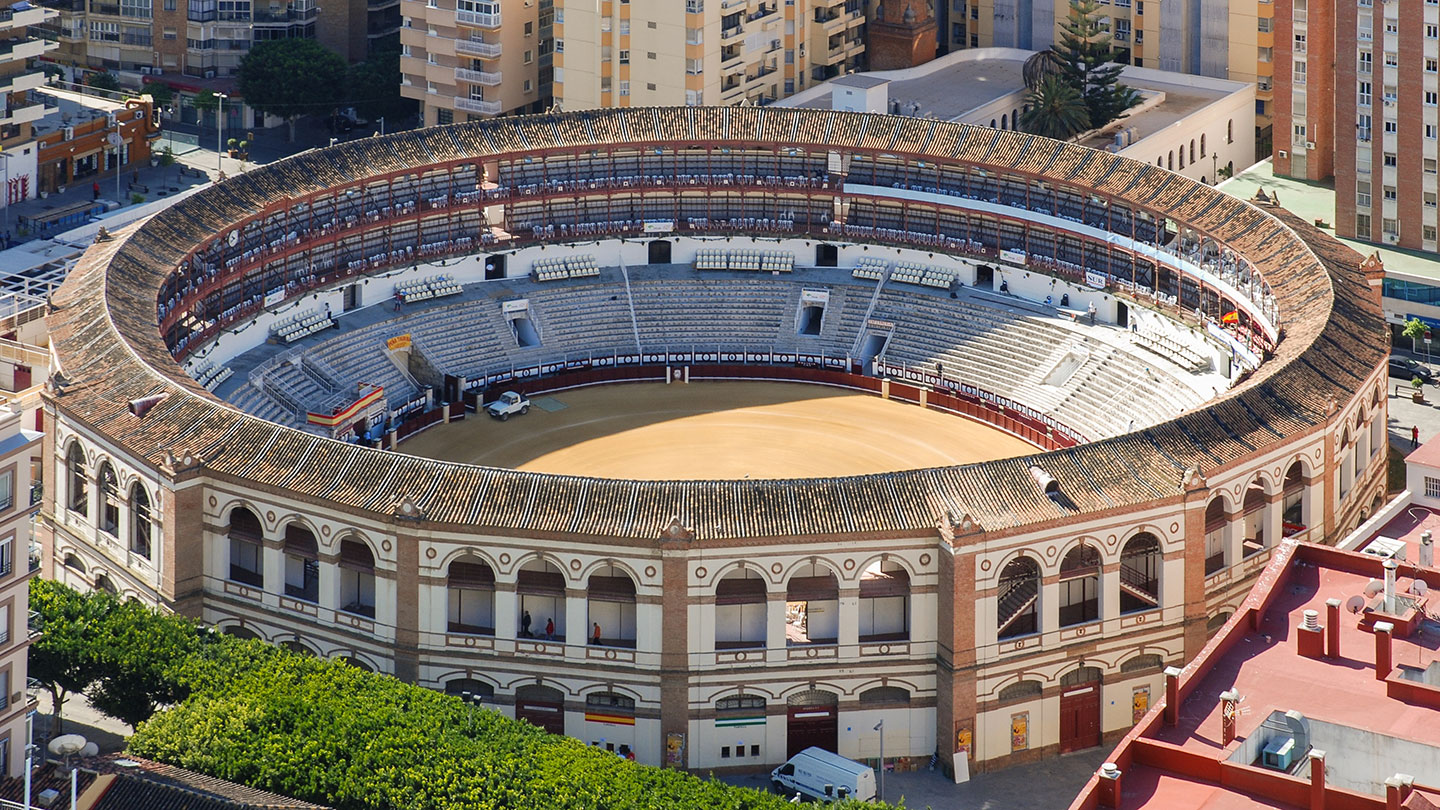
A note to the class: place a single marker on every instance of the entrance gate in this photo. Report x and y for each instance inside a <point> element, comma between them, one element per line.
<point>813,719</point>
<point>1080,710</point>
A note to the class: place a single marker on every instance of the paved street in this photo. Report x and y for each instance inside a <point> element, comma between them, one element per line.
<point>1047,785</point>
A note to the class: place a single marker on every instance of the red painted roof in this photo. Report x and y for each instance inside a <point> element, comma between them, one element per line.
<point>1427,454</point>
<point>1176,767</point>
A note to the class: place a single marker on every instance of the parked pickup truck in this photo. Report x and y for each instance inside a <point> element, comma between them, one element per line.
<point>508,403</point>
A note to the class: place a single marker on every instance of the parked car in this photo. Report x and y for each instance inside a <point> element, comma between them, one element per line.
<point>826,776</point>
<point>1406,369</point>
<point>508,403</point>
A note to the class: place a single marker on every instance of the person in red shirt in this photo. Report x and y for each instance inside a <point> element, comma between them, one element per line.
<point>595,635</point>
<point>549,628</point>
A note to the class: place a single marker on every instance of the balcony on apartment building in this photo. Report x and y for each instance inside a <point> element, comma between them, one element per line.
<point>480,48</point>
<point>21,82</point>
<point>476,105</point>
<point>477,20</point>
<point>23,18</point>
<point>485,77</point>
<point>22,48</point>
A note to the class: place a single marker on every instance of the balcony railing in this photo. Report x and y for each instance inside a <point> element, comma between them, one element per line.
<point>34,624</point>
<point>485,50</point>
<point>477,19</point>
<point>476,105</point>
<point>485,77</point>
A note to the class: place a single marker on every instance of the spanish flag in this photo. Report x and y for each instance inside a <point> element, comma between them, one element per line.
<point>1230,317</point>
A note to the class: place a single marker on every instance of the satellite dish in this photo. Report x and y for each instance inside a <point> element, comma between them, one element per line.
<point>90,750</point>
<point>66,744</point>
<point>1418,587</point>
<point>1355,604</point>
<point>233,238</point>
<point>1373,587</point>
<point>114,139</point>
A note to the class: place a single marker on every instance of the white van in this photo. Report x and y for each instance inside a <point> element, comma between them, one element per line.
<point>819,774</point>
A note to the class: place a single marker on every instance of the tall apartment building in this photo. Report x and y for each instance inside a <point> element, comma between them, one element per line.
<point>470,59</point>
<point>19,465</point>
<point>663,52</point>
<point>1224,39</point>
<point>19,75</point>
<point>206,39</point>
<point>1371,121</point>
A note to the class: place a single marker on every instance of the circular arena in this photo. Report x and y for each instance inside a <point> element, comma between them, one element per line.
<point>1006,425</point>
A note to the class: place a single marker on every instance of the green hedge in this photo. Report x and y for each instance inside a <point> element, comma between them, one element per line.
<point>326,732</point>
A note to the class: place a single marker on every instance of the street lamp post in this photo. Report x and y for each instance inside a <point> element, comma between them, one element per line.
<point>220,134</point>
<point>880,727</point>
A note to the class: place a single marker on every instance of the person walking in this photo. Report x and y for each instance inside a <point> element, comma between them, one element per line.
<point>549,629</point>
<point>1414,436</point>
<point>95,190</point>
<point>525,625</point>
<point>595,635</point>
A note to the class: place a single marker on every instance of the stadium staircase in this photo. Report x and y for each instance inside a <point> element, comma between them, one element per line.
<point>1016,599</point>
<point>869,311</point>
<point>1137,585</point>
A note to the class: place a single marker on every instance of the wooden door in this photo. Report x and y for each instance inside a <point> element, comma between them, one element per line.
<point>1079,717</point>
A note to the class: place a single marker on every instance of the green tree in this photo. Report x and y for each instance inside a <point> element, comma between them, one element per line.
<point>289,78</point>
<point>65,659</point>
<point>161,94</point>
<point>1084,47</point>
<point>373,87</point>
<point>103,80</point>
<point>142,655</point>
<point>1415,329</point>
<point>1055,110</point>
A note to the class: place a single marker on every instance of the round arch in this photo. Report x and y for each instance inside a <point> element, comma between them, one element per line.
<point>1075,542</point>
<point>864,564</point>
<point>227,512</point>
<point>837,571</point>
<point>717,574</point>
<point>463,554</point>
<point>546,557</point>
<point>1014,554</point>
<point>356,536</point>
<point>583,575</point>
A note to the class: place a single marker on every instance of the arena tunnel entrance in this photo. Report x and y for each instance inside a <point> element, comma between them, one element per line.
<point>495,267</point>
<point>827,256</point>
<point>660,251</point>
<point>810,316</point>
<point>871,347</point>
<point>812,718</point>
<point>522,326</point>
<point>984,277</point>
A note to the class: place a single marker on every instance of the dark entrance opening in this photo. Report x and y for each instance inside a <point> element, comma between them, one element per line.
<point>495,267</point>
<point>985,277</point>
<point>827,256</point>
<point>1122,315</point>
<point>660,251</point>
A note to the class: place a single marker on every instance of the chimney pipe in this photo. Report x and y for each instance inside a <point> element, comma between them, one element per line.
<point>1427,550</point>
<point>1109,785</point>
<point>1390,566</point>
<point>1172,695</point>
<point>1382,649</point>
<point>1229,707</point>
<point>1332,627</point>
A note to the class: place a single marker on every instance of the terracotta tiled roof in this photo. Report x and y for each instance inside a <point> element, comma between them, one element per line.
<point>104,333</point>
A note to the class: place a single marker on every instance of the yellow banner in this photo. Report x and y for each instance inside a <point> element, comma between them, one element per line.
<point>398,342</point>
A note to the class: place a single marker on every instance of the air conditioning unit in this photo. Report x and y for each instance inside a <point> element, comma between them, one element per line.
<point>1392,238</point>
<point>1284,154</point>
<point>1309,144</point>
<point>67,134</point>
<point>209,74</point>
<point>109,120</point>
<point>145,70</point>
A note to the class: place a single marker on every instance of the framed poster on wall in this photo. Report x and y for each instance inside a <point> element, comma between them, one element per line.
<point>1019,731</point>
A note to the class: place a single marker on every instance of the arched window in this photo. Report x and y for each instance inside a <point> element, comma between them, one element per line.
<point>1202,147</point>
<point>1215,623</point>
<point>1003,118</point>
<point>351,660</point>
<point>297,647</point>
<point>992,123</point>
<point>1170,161</point>
<point>1080,586</point>
<point>540,585</point>
<point>302,564</point>
<point>1293,516</point>
<point>740,610</point>
<point>1160,161</point>
<point>889,695</point>
<point>1017,603</point>
<point>357,578</point>
<point>470,586</point>
<point>74,563</point>
<point>103,583</point>
<point>1021,690</point>
<point>1081,675</point>
<point>109,500</point>
<point>812,606</point>
<point>1141,663</point>
<point>885,603</point>
<point>1192,150</point>
<point>611,600</point>
<point>142,523</point>
<point>1215,545</point>
<point>77,482</point>
<point>470,690</point>
<point>1182,158</point>
<point>1140,574</point>
<point>1253,509</point>
<point>246,548</point>
<point>236,631</point>
<point>1230,131</point>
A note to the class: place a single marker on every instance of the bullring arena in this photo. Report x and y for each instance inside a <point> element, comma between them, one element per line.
<point>1083,398</point>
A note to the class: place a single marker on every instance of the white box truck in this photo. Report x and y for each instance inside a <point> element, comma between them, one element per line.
<point>820,774</point>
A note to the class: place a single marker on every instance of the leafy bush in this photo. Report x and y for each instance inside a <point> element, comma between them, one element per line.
<point>327,732</point>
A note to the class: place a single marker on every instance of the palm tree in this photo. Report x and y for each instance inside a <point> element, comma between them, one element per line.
<point>1040,65</point>
<point>1056,110</point>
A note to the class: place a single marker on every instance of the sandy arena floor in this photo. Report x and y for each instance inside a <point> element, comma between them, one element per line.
<point>719,430</point>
